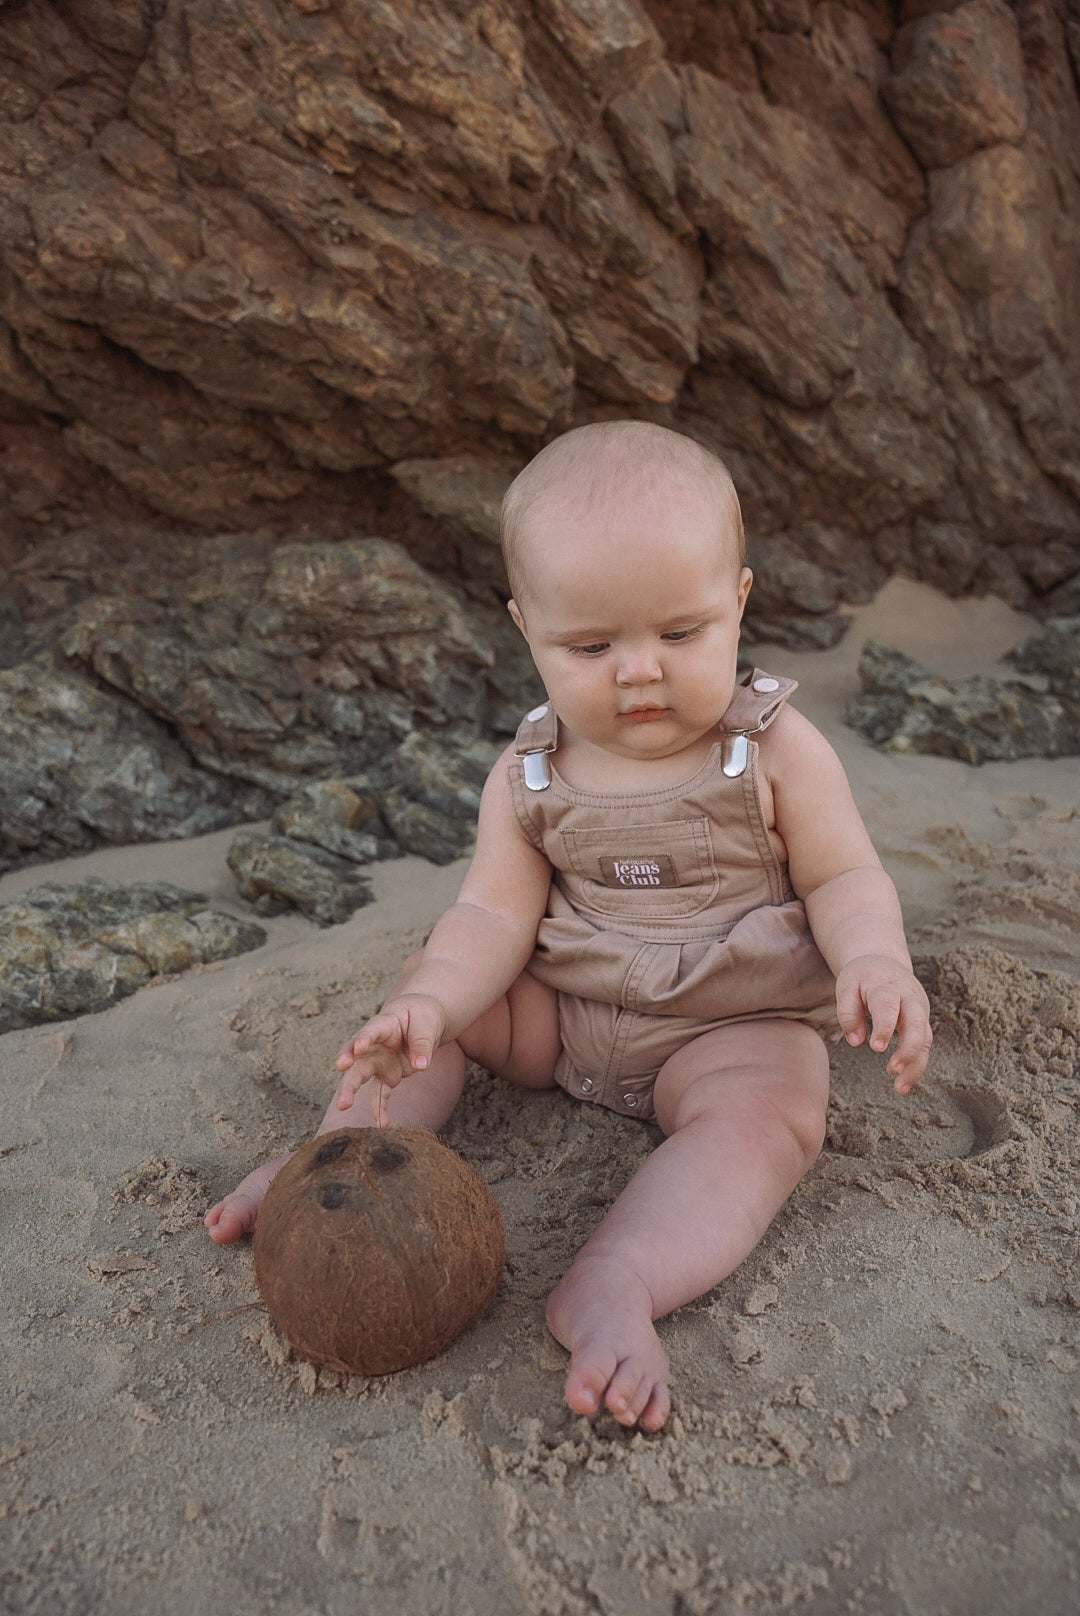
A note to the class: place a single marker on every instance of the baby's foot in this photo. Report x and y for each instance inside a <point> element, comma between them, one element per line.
<point>603,1314</point>
<point>236,1214</point>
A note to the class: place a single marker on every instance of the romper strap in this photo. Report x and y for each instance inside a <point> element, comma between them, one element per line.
<point>756,702</point>
<point>537,735</point>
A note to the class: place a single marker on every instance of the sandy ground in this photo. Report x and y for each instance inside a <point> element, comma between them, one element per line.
<point>880,1412</point>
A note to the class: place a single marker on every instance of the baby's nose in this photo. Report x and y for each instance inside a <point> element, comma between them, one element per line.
<point>638,668</point>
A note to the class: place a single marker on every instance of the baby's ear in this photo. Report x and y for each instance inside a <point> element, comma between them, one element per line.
<point>515,612</point>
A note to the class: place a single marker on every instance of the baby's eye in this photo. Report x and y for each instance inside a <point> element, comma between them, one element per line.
<point>588,650</point>
<point>677,634</point>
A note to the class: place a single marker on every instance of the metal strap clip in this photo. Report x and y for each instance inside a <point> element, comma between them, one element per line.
<point>734,753</point>
<point>536,768</point>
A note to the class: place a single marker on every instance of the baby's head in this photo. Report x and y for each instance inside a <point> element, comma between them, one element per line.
<point>586,477</point>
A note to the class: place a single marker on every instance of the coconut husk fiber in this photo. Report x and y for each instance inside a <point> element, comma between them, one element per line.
<point>376,1249</point>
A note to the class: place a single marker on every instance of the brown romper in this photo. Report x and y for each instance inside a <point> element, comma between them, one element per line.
<point>670,913</point>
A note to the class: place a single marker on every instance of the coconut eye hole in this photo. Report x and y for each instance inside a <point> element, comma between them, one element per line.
<point>385,1157</point>
<point>333,1195</point>
<point>331,1151</point>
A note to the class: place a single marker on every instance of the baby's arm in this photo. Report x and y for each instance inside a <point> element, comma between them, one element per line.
<point>851,903</point>
<point>476,950</point>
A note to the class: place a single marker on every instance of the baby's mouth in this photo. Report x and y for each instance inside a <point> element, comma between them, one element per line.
<point>642,712</point>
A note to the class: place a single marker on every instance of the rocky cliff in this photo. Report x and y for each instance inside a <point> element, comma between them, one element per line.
<point>324,270</point>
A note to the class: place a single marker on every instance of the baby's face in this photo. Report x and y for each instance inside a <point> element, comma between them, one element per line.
<point>632,611</point>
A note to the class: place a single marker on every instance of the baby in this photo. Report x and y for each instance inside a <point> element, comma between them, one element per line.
<point>673,906</point>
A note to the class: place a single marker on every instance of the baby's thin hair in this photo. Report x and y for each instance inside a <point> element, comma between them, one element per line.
<point>612,455</point>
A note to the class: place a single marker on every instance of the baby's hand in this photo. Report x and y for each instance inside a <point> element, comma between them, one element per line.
<point>881,987</point>
<point>401,1039</point>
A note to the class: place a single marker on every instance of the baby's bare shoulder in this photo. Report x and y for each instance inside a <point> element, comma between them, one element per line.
<point>793,747</point>
<point>500,822</point>
<point>497,788</point>
<point>814,808</point>
<point>500,769</point>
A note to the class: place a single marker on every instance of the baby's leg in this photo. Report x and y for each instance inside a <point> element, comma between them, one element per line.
<point>518,1038</point>
<point>425,1101</point>
<point>744,1111</point>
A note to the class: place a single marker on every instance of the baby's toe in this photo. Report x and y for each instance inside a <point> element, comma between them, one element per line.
<point>657,1408</point>
<point>589,1378</point>
<point>630,1390</point>
<point>231,1218</point>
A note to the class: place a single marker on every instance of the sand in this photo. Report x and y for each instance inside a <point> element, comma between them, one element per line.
<point>879,1412</point>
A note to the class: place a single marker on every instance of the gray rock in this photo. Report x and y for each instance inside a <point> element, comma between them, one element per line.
<point>345,648</point>
<point>84,765</point>
<point>1054,653</point>
<point>906,708</point>
<point>446,776</point>
<point>425,831</point>
<point>464,493</point>
<point>424,800</point>
<point>210,685</point>
<point>797,633</point>
<point>73,950</point>
<point>330,815</point>
<point>275,873</point>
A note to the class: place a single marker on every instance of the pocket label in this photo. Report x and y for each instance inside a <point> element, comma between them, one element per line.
<point>657,870</point>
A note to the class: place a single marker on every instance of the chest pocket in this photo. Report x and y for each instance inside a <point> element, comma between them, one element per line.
<point>650,872</point>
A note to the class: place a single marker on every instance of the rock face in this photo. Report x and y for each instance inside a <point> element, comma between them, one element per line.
<point>298,257</point>
<point>73,950</point>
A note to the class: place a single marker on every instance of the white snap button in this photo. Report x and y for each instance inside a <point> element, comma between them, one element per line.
<point>762,686</point>
<point>541,712</point>
<point>630,1100</point>
<point>586,1085</point>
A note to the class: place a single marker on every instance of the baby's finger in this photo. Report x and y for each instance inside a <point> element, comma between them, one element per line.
<point>350,1083</point>
<point>421,1048</point>
<point>883,1004</point>
<point>850,1011</point>
<point>381,1029</point>
<point>423,1032</point>
<point>913,1046</point>
<point>347,1054</point>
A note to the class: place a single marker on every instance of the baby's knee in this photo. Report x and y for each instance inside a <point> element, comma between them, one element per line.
<point>781,1124</point>
<point>808,1126</point>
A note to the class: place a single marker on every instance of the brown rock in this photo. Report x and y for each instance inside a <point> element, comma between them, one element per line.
<point>464,494</point>
<point>981,219</point>
<point>832,74</point>
<point>959,82</point>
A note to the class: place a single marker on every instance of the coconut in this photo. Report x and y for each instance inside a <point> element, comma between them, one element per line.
<point>376,1248</point>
